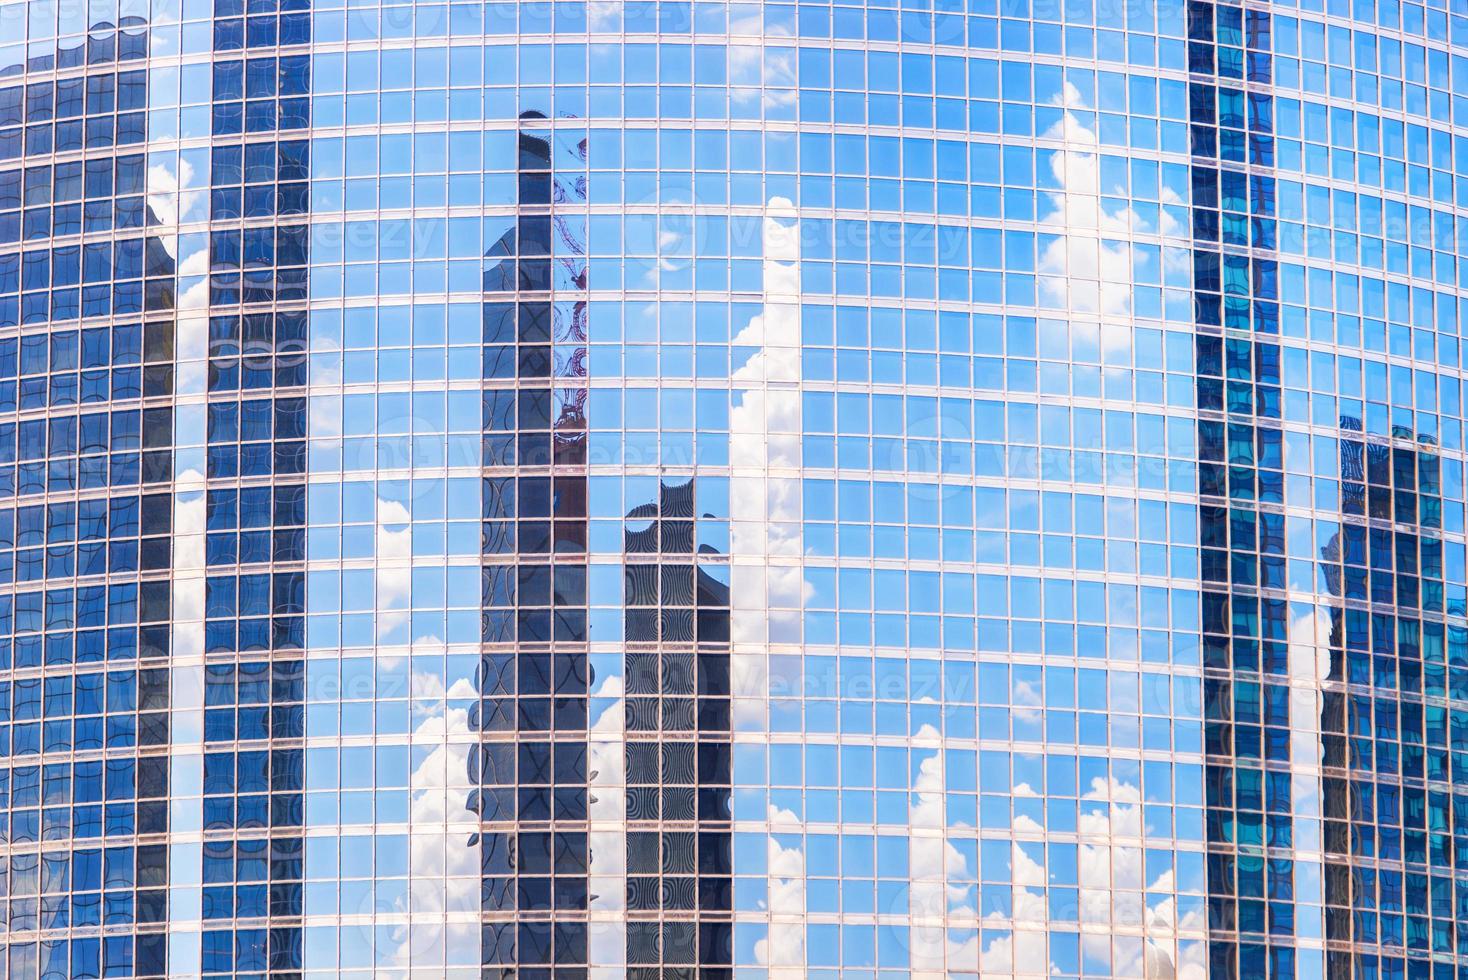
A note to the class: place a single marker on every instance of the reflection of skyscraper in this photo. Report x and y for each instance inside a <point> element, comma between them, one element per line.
<point>253,591</point>
<point>1383,566</point>
<point>153,632</point>
<point>534,672</point>
<point>1241,435</point>
<point>678,757</point>
<point>677,711</point>
<point>666,491</point>
<point>86,466</point>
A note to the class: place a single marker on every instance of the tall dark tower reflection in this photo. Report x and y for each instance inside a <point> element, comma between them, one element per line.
<point>532,765</point>
<point>678,758</point>
<point>1390,655</point>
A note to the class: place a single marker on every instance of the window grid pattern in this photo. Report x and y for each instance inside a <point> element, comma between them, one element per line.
<point>534,676</point>
<point>1387,799</point>
<point>1235,205</point>
<point>84,555</point>
<point>678,760</point>
<point>1245,618</point>
<point>255,500</point>
<point>978,751</point>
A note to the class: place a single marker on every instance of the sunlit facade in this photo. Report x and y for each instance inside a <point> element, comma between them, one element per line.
<point>733,491</point>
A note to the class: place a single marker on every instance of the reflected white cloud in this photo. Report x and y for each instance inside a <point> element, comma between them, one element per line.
<point>764,427</point>
<point>783,949</point>
<point>1091,266</point>
<point>443,864</point>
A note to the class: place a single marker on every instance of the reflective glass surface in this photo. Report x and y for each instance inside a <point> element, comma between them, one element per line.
<point>671,490</point>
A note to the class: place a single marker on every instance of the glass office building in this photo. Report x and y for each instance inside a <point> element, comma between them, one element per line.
<point>666,490</point>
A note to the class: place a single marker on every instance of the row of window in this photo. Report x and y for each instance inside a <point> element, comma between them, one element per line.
<point>92,180</point>
<point>108,39</point>
<point>853,243</point>
<point>265,29</point>
<point>95,132</point>
<point>261,31</point>
<point>948,27</point>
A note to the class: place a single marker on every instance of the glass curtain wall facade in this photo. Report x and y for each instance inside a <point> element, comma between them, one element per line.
<point>733,491</point>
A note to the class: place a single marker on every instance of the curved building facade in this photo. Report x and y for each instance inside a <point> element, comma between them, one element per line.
<point>733,491</point>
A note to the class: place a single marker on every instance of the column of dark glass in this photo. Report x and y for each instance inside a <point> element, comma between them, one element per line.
<point>256,511</point>
<point>1389,797</point>
<point>84,421</point>
<point>678,755</point>
<point>531,765</point>
<point>1241,482</point>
